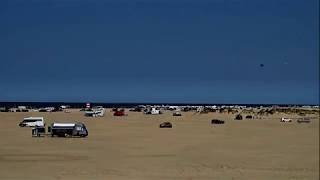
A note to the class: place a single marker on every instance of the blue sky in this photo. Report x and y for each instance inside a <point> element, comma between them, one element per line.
<point>160,51</point>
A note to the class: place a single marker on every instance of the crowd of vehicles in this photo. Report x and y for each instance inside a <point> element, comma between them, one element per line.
<point>78,129</point>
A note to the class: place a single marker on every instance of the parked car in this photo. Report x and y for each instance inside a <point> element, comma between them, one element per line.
<point>119,113</point>
<point>285,120</point>
<point>177,114</point>
<point>217,121</point>
<point>166,125</point>
<point>304,120</point>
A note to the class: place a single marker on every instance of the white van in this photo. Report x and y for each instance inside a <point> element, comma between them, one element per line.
<point>32,122</point>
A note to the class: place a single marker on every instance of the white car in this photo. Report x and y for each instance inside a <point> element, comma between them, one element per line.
<point>285,120</point>
<point>97,111</point>
<point>32,122</point>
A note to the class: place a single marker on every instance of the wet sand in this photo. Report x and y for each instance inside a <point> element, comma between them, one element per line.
<point>135,148</point>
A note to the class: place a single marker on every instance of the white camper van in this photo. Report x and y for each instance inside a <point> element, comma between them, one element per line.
<point>32,122</point>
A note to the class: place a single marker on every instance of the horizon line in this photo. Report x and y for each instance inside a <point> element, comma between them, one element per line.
<point>159,103</point>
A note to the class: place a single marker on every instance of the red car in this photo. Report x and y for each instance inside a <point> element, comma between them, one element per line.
<point>119,113</point>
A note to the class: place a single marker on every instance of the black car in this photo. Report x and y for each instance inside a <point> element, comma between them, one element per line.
<point>217,121</point>
<point>166,125</point>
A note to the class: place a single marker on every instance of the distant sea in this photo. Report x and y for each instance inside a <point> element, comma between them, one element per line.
<point>127,105</point>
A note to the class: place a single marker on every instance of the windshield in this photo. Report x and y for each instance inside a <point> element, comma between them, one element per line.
<point>31,120</point>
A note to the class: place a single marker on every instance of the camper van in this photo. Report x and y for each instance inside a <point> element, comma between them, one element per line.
<point>32,122</point>
<point>68,130</point>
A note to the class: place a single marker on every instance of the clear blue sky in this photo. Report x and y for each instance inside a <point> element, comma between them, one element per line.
<point>160,51</point>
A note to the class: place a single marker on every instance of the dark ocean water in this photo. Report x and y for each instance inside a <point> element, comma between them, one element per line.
<point>124,105</point>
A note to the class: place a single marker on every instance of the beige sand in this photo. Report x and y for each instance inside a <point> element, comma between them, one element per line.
<point>133,147</point>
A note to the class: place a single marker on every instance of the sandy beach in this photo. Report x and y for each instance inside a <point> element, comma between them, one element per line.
<point>133,147</point>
